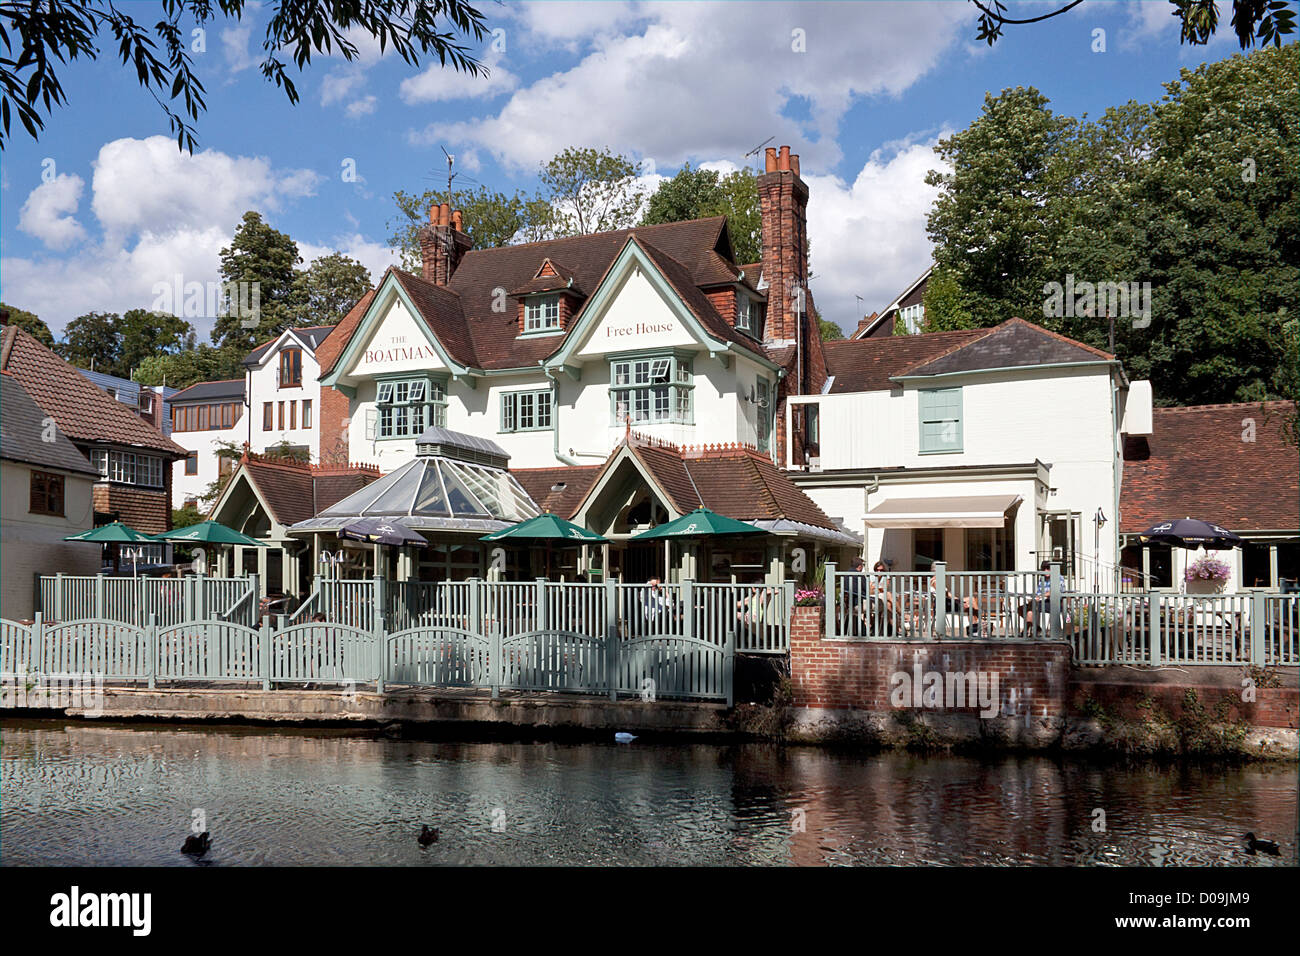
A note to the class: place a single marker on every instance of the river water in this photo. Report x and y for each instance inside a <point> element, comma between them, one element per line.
<point>92,794</point>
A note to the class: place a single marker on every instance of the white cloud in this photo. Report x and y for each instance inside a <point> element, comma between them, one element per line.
<point>362,107</point>
<point>339,83</point>
<point>437,83</point>
<point>162,213</point>
<point>48,213</point>
<point>375,256</point>
<point>716,76</point>
<point>234,47</point>
<point>868,238</point>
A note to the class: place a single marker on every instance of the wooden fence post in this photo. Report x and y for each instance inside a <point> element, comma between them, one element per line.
<point>99,596</point>
<point>37,659</point>
<point>940,598</point>
<point>153,651</point>
<point>492,622</point>
<point>539,600</point>
<point>832,605</point>
<point>1258,623</point>
<point>1054,628</point>
<point>1153,652</point>
<point>58,596</point>
<point>380,637</point>
<point>264,651</point>
<point>686,590</point>
<point>787,615</point>
<point>611,636</point>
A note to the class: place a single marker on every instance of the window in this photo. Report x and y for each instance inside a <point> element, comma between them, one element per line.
<point>291,368</point>
<point>525,411</point>
<point>763,408</point>
<point>1160,565</point>
<point>268,416</point>
<point>940,415</point>
<point>192,463</point>
<point>279,415</point>
<point>128,468</point>
<point>46,494</point>
<point>990,549</point>
<point>146,402</point>
<point>542,313</point>
<point>225,465</point>
<point>927,545</point>
<point>743,312</point>
<point>651,389</point>
<point>229,415</point>
<point>1256,565</point>
<point>193,418</point>
<point>306,413</point>
<point>912,317</point>
<point>409,406</point>
<point>293,414</point>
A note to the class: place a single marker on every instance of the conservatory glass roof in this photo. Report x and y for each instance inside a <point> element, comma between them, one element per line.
<point>438,491</point>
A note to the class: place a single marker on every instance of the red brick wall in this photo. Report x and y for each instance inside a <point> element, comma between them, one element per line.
<point>333,426</point>
<point>859,675</point>
<point>783,204</point>
<point>724,300</point>
<point>144,510</point>
<point>1273,706</point>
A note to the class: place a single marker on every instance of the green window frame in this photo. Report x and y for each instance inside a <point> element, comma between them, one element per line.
<point>542,313</point>
<point>651,389</point>
<point>526,411</point>
<point>408,405</point>
<point>939,411</point>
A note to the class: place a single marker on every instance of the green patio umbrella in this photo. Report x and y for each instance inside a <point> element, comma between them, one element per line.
<point>115,533</point>
<point>700,523</point>
<point>545,527</point>
<point>209,532</point>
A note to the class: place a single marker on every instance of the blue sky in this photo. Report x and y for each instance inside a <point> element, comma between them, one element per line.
<point>104,207</point>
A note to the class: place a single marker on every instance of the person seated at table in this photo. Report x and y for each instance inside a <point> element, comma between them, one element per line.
<point>969,606</point>
<point>655,603</point>
<point>885,599</point>
<point>1039,603</point>
<point>855,587</point>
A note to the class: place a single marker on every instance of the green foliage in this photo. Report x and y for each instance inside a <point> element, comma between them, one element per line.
<point>1196,195</point>
<point>829,330</point>
<point>491,219</point>
<point>184,517</point>
<point>699,193</point>
<point>29,322</point>
<point>44,36</point>
<point>591,190</point>
<point>198,363</point>
<point>268,257</point>
<point>93,341</point>
<point>947,306</point>
<point>327,289</point>
<point>148,334</point>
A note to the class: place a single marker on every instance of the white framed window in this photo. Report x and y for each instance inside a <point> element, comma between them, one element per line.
<point>408,406</point>
<point>651,389</point>
<point>542,313</point>
<point>526,411</point>
<point>128,468</point>
<point>912,317</point>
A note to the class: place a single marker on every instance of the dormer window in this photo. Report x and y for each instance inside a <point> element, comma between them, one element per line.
<point>542,313</point>
<point>749,315</point>
<point>291,368</point>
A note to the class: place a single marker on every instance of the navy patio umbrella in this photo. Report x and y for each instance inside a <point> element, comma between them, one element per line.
<point>1191,533</point>
<point>382,531</point>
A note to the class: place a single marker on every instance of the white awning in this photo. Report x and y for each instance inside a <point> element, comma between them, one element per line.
<point>958,511</point>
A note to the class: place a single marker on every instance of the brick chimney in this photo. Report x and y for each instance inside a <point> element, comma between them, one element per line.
<point>783,205</point>
<point>443,243</point>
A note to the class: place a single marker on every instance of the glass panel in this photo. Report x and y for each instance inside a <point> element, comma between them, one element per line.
<point>399,496</point>
<point>543,409</point>
<point>417,392</point>
<point>385,393</point>
<point>485,483</point>
<point>431,499</point>
<point>1257,565</point>
<point>459,497</point>
<point>359,501</point>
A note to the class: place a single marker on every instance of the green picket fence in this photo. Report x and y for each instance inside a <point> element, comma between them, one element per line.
<point>134,600</point>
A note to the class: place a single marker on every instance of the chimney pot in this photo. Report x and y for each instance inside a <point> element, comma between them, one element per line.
<point>433,215</point>
<point>783,159</point>
<point>794,163</point>
<point>444,214</point>
<point>458,220</point>
<point>769,160</point>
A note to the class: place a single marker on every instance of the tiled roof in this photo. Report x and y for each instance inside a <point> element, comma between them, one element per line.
<point>295,491</point>
<point>1197,464</point>
<point>327,352</point>
<point>83,411</point>
<point>557,490</point>
<point>312,335</point>
<point>21,437</point>
<point>230,388</point>
<point>461,313</point>
<point>867,365</point>
<point>1014,343</point>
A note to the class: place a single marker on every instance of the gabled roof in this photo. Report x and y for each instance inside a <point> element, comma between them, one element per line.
<point>875,364</point>
<point>311,336</point>
<point>82,410</point>
<point>227,389</point>
<point>327,352</point>
<point>294,491</point>
<point>869,325</point>
<point>557,490</point>
<point>22,435</point>
<point>462,315</point>
<point>1196,464</point>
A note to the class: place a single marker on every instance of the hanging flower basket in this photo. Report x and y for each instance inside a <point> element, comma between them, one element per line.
<point>1206,575</point>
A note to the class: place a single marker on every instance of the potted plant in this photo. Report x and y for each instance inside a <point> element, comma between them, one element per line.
<point>809,597</point>
<point>1206,575</point>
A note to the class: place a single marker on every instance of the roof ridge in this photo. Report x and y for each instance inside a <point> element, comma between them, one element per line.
<point>588,235</point>
<point>1056,335</point>
<point>1222,405</point>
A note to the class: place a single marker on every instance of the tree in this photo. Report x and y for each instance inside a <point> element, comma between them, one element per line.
<point>29,322</point>
<point>491,219</point>
<point>328,289</point>
<point>945,304</point>
<point>93,341</point>
<point>1263,20</point>
<point>47,35</point>
<point>197,363</point>
<point>699,193</point>
<point>591,190</point>
<point>829,330</point>
<point>997,220</point>
<point>267,260</point>
<point>146,334</point>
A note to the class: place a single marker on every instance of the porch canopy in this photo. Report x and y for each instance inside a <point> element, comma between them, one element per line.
<point>957,511</point>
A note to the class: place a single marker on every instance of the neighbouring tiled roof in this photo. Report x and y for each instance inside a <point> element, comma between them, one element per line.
<point>295,491</point>
<point>867,365</point>
<point>22,434</point>
<point>1196,464</point>
<point>312,335</point>
<point>226,389</point>
<point>461,313</point>
<point>557,490</point>
<point>1014,343</point>
<point>82,410</point>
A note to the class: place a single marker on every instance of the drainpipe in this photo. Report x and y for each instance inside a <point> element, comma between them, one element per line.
<point>867,492</point>
<point>555,415</point>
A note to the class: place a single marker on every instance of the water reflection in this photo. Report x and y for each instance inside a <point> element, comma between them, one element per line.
<point>92,794</point>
